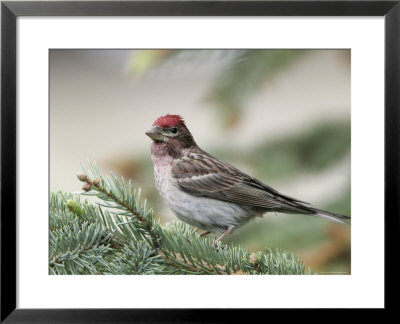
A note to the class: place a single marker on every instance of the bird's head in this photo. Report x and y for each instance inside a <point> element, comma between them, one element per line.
<point>171,129</point>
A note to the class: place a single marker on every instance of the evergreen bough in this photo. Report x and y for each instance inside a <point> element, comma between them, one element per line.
<point>119,235</point>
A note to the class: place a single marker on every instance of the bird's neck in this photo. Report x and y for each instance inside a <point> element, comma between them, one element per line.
<point>168,151</point>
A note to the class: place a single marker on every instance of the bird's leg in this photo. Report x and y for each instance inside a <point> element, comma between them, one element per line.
<point>204,233</point>
<point>219,238</point>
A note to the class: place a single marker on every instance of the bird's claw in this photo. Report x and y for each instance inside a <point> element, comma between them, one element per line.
<point>218,246</point>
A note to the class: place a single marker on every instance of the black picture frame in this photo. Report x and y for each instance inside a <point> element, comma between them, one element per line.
<point>11,10</point>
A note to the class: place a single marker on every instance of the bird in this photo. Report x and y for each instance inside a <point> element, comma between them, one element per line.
<point>209,193</point>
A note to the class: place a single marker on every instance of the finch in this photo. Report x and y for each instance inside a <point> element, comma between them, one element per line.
<point>208,193</point>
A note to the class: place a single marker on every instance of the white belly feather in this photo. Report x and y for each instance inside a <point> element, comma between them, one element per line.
<point>205,213</point>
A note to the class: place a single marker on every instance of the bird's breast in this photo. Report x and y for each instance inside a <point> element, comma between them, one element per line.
<point>162,177</point>
<point>205,213</point>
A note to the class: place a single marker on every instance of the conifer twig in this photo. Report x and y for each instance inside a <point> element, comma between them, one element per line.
<point>97,184</point>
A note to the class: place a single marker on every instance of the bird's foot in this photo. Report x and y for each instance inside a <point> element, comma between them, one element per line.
<point>218,246</point>
<point>219,238</point>
<point>204,233</point>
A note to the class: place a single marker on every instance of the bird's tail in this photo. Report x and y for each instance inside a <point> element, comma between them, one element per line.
<point>331,216</point>
<point>297,206</point>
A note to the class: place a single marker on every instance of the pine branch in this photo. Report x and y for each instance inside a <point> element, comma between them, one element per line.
<point>76,245</point>
<point>120,195</point>
<point>121,236</point>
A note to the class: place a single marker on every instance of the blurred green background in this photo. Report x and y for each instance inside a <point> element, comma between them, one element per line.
<point>282,116</point>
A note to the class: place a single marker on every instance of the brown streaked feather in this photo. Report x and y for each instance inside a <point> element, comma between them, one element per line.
<point>200,174</point>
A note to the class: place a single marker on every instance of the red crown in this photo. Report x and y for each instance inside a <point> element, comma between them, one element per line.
<point>169,121</point>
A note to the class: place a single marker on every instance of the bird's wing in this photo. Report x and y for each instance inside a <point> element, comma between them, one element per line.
<point>203,175</point>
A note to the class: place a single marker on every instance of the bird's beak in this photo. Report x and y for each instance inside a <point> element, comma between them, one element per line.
<point>155,134</point>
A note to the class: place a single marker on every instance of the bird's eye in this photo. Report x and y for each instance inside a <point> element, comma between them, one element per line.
<point>174,130</point>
